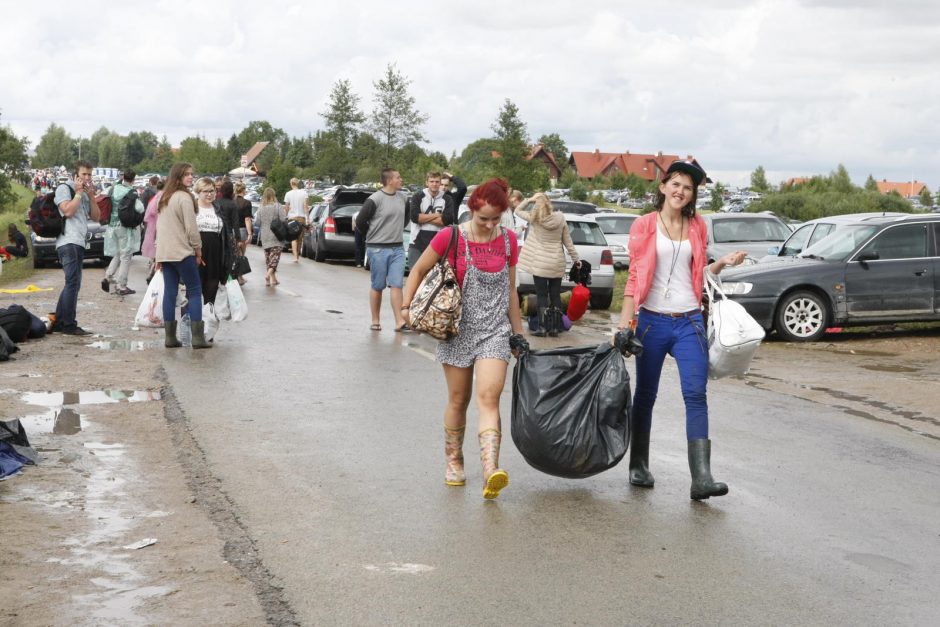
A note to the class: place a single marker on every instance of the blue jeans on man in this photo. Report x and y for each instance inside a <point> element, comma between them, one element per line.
<point>71,256</point>
<point>683,338</point>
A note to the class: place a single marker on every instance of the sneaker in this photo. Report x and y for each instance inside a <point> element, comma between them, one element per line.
<point>75,331</point>
<point>125,291</point>
<point>106,284</point>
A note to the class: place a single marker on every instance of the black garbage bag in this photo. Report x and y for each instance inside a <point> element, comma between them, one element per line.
<point>570,409</point>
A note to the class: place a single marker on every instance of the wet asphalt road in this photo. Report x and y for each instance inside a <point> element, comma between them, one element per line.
<point>328,440</point>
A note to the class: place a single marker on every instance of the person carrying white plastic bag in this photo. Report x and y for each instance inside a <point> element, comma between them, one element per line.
<point>236,300</point>
<point>150,311</point>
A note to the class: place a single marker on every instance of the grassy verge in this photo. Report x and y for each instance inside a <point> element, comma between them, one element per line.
<point>17,271</point>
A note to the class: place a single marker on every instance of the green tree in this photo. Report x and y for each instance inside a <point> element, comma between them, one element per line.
<point>759,180</point>
<point>258,131</point>
<point>841,181</point>
<point>568,178</point>
<point>141,146</point>
<point>557,146</point>
<point>637,185</point>
<point>395,120</point>
<point>476,161</point>
<point>279,176</point>
<point>618,180</point>
<point>13,163</point>
<point>925,198</point>
<point>579,191</point>
<point>162,159</point>
<point>300,152</point>
<point>717,200</point>
<point>343,116</point>
<point>870,184</point>
<point>112,151</point>
<point>512,147</point>
<point>205,157</point>
<point>55,148</point>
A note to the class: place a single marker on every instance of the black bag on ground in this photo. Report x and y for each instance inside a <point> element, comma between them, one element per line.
<point>127,211</point>
<point>16,321</point>
<point>570,409</point>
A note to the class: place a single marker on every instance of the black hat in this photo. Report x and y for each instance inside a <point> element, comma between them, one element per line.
<point>688,167</point>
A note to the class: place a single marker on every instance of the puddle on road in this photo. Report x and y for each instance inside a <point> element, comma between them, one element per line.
<point>65,421</point>
<point>92,397</point>
<point>881,368</point>
<point>122,345</point>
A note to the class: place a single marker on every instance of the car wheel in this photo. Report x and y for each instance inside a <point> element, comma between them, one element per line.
<point>601,300</point>
<point>802,317</point>
<point>318,253</point>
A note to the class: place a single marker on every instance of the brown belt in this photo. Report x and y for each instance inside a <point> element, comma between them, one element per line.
<point>680,314</point>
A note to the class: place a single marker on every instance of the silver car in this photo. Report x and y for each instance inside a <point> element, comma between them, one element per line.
<point>752,232</point>
<point>616,228</point>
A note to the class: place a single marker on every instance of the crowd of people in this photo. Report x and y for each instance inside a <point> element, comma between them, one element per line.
<point>194,237</point>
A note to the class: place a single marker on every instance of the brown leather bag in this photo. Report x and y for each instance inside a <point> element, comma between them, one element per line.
<point>438,303</point>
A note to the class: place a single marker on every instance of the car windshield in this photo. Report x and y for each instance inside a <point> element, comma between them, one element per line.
<point>615,226</point>
<point>840,244</point>
<point>586,233</point>
<point>756,230</point>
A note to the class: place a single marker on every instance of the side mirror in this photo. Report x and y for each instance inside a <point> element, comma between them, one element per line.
<point>773,250</point>
<point>871,256</point>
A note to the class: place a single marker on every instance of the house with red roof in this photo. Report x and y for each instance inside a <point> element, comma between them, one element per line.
<point>907,189</point>
<point>650,167</point>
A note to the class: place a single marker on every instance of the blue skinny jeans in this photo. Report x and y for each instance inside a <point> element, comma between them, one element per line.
<point>189,272</point>
<point>684,339</point>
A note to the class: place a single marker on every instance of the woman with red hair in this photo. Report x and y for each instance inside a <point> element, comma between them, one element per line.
<point>484,260</point>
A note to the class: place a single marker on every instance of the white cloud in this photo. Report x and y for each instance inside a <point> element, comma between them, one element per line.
<point>795,86</point>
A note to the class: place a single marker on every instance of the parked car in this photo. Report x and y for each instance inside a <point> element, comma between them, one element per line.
<point>592,247</point>
<point>616,228</point>
<point>753,232</point>
<point>332,236</point>
<point>43,248</point>
<point>316,215</point>
<point>574,206</point>
<point>872,271</point>
<point>812,231</point>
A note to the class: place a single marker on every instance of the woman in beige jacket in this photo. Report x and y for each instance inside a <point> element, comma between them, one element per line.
<point>179,254</point>
<point>543,256</point>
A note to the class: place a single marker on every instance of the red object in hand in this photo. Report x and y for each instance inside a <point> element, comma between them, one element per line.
<point>580,296</point>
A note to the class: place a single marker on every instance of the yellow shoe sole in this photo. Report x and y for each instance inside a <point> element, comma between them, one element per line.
<point>497,481</point>
<point>455,483</point>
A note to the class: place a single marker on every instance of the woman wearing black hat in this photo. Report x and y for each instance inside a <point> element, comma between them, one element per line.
<point>662,308</point>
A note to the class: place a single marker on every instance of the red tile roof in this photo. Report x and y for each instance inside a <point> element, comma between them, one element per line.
<point>650,167</point>
<point>907,188</point>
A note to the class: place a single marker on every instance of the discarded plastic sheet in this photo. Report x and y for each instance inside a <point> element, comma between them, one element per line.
<point>141,544</point>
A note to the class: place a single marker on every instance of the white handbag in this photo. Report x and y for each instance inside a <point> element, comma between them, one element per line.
<point>733,334</point>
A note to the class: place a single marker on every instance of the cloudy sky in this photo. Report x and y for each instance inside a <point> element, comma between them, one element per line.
<point>795,86</point>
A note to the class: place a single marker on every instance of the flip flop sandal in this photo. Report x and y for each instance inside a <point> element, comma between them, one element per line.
<point>375,327</point>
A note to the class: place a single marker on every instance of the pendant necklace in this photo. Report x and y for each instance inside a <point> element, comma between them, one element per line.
<point>675,252</point>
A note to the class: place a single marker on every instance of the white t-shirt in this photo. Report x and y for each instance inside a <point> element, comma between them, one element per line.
<point>294,199</point>
<point>672,295</point>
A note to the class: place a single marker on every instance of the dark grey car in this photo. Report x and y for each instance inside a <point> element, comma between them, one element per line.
<point>875,271</point>
<point>332,237</point>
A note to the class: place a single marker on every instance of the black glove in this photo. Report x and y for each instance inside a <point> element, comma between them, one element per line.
<point>518,343</point>
<point>628,343</point>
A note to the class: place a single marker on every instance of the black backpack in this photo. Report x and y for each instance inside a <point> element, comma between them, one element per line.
<point>127,211</point>
<point>16,322</point>
<point>44,217</point>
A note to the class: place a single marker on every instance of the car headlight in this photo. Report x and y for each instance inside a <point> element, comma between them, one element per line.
<point>730,288</point>
<point>617,248</point>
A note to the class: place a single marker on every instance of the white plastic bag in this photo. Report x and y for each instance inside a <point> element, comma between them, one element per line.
<point>733,334</point>
<point>221,304</point>
<point>236,301</point>
<point>150,311</point>
<point>210,320</point>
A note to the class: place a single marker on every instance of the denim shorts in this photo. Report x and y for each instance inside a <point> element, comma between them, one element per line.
<point>387,267</point>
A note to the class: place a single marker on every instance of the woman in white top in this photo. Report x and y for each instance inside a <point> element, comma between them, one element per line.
<point>210,225</point>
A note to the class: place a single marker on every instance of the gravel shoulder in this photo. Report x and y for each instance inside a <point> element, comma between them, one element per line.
<point>111,474</point>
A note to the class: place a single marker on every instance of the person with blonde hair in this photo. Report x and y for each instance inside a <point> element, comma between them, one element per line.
<point>269,210</point>
<point>543,256</point>
<point>297,207</point>
<point>216,236</point>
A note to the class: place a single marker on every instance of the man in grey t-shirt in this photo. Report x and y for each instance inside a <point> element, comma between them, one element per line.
<point>76,203</point>
<point>383,218</point>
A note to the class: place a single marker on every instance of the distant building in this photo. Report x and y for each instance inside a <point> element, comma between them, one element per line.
<point>907,189</point>
<point>797,180</point>
<point>650,167</point>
